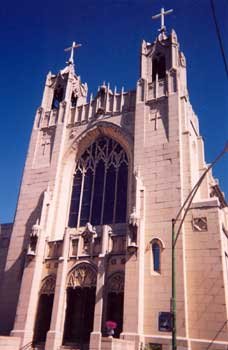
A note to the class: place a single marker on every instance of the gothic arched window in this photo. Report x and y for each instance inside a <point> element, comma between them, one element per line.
<point>99,194</point>
<point>158,67</point>
<point>156,252</point>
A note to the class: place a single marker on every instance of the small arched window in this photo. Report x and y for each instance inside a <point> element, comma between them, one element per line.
<point>158,67</point>
<point>157,247</point>
<point>99,194</point>
<point>156,252</point>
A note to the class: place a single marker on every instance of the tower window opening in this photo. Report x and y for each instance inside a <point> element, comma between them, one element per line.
<point>99,193</point>
<point>58,97</point>
<point>158,67</point>
<point>73,100</point>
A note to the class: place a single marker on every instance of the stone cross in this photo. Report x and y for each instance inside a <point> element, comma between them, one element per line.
<point>154,118</point>
<point>71,49</point>
<point>46,141</point>
<point>162,15</point>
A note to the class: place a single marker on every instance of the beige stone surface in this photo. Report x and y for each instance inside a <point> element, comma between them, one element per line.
<point>9,343</point>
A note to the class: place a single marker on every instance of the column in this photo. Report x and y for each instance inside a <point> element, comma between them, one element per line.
<point>30,286</point>
<point>134,278</point>
<point>55,334</point>
<point>95,337</point>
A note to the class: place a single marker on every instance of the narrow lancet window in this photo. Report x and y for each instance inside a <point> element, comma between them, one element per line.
<point>75,198</point>
<point>156,252</point>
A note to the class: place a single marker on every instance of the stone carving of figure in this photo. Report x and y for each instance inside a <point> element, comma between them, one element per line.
<point>88,237</point>
<point>133,226</point>
<point>33,239</point>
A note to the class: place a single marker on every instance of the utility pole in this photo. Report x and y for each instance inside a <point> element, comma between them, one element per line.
<point>185,207</point>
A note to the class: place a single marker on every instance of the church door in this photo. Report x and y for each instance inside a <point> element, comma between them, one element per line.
<point>44,310</point>
<point>79,315</point>
<point>43,318</point>
<point>81,296</point>
<point>115,301</point>
<point>115,311</point>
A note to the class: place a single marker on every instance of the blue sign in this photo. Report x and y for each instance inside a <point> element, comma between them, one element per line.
<point>165,322</point>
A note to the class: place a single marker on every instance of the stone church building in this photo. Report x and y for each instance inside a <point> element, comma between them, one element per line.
<point>92,237</point>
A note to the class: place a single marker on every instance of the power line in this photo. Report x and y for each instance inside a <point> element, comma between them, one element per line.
<point>219,37</point>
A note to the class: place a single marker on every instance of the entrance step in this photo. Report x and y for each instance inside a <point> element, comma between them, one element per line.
<point>75,347</point>
<point>70,347</point>
<point>37,347</point>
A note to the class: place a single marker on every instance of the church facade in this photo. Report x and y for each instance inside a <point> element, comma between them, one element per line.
<point>91,245</point>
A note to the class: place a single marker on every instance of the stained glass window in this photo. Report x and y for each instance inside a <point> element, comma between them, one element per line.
<point>99,193</point>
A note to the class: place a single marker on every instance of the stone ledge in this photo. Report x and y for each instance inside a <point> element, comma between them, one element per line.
<point>206,203</point>
<point>9,343</point>
<point>109,343</point>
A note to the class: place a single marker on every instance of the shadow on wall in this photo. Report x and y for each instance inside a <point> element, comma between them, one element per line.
<point>12,277</point>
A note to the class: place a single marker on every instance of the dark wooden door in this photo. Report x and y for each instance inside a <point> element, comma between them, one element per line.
<point>43,318</point>
<point>115,311</point>
<point>79,315</point>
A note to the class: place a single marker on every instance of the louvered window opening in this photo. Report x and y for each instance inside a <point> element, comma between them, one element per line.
<point>99,193</point>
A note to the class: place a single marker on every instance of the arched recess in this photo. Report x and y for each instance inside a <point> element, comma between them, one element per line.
<point>115,301</point>
<point>62,194</point>
<point>82,275</point>
<point>101,128</point>
<point>157,246</point>
<point>99,193</point>
<point>44,310</point>
<point>81,294</point>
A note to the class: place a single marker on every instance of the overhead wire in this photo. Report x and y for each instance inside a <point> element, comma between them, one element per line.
<point>219,36</point>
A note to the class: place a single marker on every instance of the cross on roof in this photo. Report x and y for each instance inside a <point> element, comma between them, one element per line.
<point>162,15</point>
<point>71,49</point>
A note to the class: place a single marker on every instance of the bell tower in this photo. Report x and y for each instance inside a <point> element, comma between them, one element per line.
<point>65,86</point>
<point>39,188</point>
<point>161,95</point>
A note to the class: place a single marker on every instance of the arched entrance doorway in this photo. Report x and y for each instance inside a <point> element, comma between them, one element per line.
<point>115,301</point>
<point>81,295</point>
<point>44,310</point>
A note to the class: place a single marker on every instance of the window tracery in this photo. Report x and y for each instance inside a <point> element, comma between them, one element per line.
<point>116,283</point>
<point>48,285</point>
<point>99,192</point>
<point>82,275</point>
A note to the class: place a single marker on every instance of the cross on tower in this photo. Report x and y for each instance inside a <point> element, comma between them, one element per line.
<point>71,49</point>
<point>155,115</point>
<point>162,15</point>
<point>45,142</point>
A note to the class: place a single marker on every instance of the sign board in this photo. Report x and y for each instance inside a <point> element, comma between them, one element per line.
<point>165,321</point>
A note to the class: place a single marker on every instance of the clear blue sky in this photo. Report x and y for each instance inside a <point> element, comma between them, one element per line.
<point>33,35</point>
